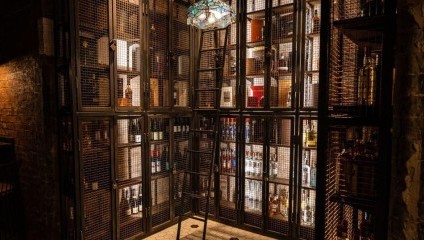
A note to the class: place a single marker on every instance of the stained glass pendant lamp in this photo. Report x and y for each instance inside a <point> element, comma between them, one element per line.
<point>210,14</point>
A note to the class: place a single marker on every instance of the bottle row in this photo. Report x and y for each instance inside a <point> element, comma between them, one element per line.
<point>159,157</point>
<point>131,201</point>
<point>278,204</point>
<point>309,169</point>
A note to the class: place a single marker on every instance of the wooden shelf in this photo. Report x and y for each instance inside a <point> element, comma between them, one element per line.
<point>356,202</point>
<point>279,181</point>
<point>275,10</point>
<point>364,31</point>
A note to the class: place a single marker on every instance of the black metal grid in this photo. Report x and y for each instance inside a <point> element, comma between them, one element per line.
<point>160,170</point>
<point>203,162</point>
<point>254,168</point>
<point>96,179</point>
<point>229,83</point>
<point>228,167</point>
<point>130,202</point>
<point>282,67</point>
<point>159,74</point>
<point>94,53</point>
<point>182,63</point>
<point>278,208</point>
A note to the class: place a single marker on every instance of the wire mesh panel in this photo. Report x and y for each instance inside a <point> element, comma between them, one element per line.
<point>181,128</point>
<point>94,53</point>
<point>308,177</point>
<point>229,83</point>
<point>255,54</point>
<point>159,74</point>
<point>282,32</point>
<point>130,215</point>
<point>228,156</point>
<point>254,168</point>
<point>311,49</point>
<point>204,161</point>
<point>280,158</point>
<point>129,171</point>
<point>128,54</point>
<point>355,57</point>
<point>181,51</point>
<point>96,179</point>
<point>160,170</point>
<point>209,60</point>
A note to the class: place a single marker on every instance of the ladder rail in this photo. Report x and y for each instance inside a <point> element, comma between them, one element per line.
<point>216,132</point>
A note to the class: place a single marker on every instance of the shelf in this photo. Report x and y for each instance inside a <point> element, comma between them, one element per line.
<point>131,219</point>
<point>356,202</point>
<point>309,187</point>
<point>227,141</point>
<point>129,145</point>
<point>280,217</point>
<point>312,72</point>
<point>162,174</point>
<point>156,142</point>
<point>227,173</point>
<point>254,143</point>
<point>98,67</point>
<point>309,148</point>
<point>279,145</point>
<point>254,177</point>
<point>364,31</point>
<point>312,35</point>
<point>280,181</point>
<point>227,204</point>
<point>284,39</point>
<point>355,111</point>
<point>253,211</point>
<point>128,72</point>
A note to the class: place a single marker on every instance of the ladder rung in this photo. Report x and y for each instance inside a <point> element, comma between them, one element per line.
<point>208,69</point>
<point>212,30</point>
<point>201,152</point>
<point>206,89</point>
<point>198,173</point>
<point>211,49</point>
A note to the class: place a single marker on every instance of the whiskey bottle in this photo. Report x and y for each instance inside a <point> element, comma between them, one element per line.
<point>283,202</point>
<point>129,93</point>
<point>131,131</point>
<point>140,199</point>
<point>306,169</point>
<point>247,130</point>
<point>137,131</point>
<point>371,8</point>
<point>367,81</point>
<point>316,22</point>
<point>311,140</point>
<point>125,201</point>
<point>134,204</point>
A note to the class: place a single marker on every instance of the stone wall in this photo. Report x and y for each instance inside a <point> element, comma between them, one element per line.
<point>407,191</point>
<point>23,116</point>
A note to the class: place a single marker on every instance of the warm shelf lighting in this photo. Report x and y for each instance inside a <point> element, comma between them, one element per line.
<point>210,14</point>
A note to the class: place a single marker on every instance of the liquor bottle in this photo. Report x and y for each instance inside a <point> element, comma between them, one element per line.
<point>252,131</point>
<point>229,159</point>
<point>165,158</point>
<point>367,81</point>
<point>272,209</point>
<point>366,227</point>
<point>313,174</point>
<point>282,63</point>
<point>175,95</point>
<point>247,130</point>
<point>233,161</point>
<point>187,124</point>
<point>223,162</point>
<point>140,199</point>
<point>311,139</point>
<point>289,97</point>
<point>274,164</point>
<point>176,123</point>
<point>283,202</point>
<point>134,205</point>
<point>153,134</point>
<point>129,94</point>
<point>125,201</point>
<point>316,22</point>
<point>161,131</point>
<point>158,161</point>
<point>342,229</point>
<point>131,131</point>
<point>371,8</point>
<point>153,156</point>
<point>137,132</point>
<point>306,169</point>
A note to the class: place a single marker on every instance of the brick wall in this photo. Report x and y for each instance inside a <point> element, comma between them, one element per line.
<point>24,113</point>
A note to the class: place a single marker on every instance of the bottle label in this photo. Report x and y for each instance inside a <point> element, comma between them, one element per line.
<point>138,138</point>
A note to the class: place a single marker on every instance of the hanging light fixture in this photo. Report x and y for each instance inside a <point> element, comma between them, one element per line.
<point>210,14</point>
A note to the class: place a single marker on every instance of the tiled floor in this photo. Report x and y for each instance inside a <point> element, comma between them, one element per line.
<point>215,231</point>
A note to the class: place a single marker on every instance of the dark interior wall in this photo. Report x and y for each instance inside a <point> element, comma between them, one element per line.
<point>28,111</point>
